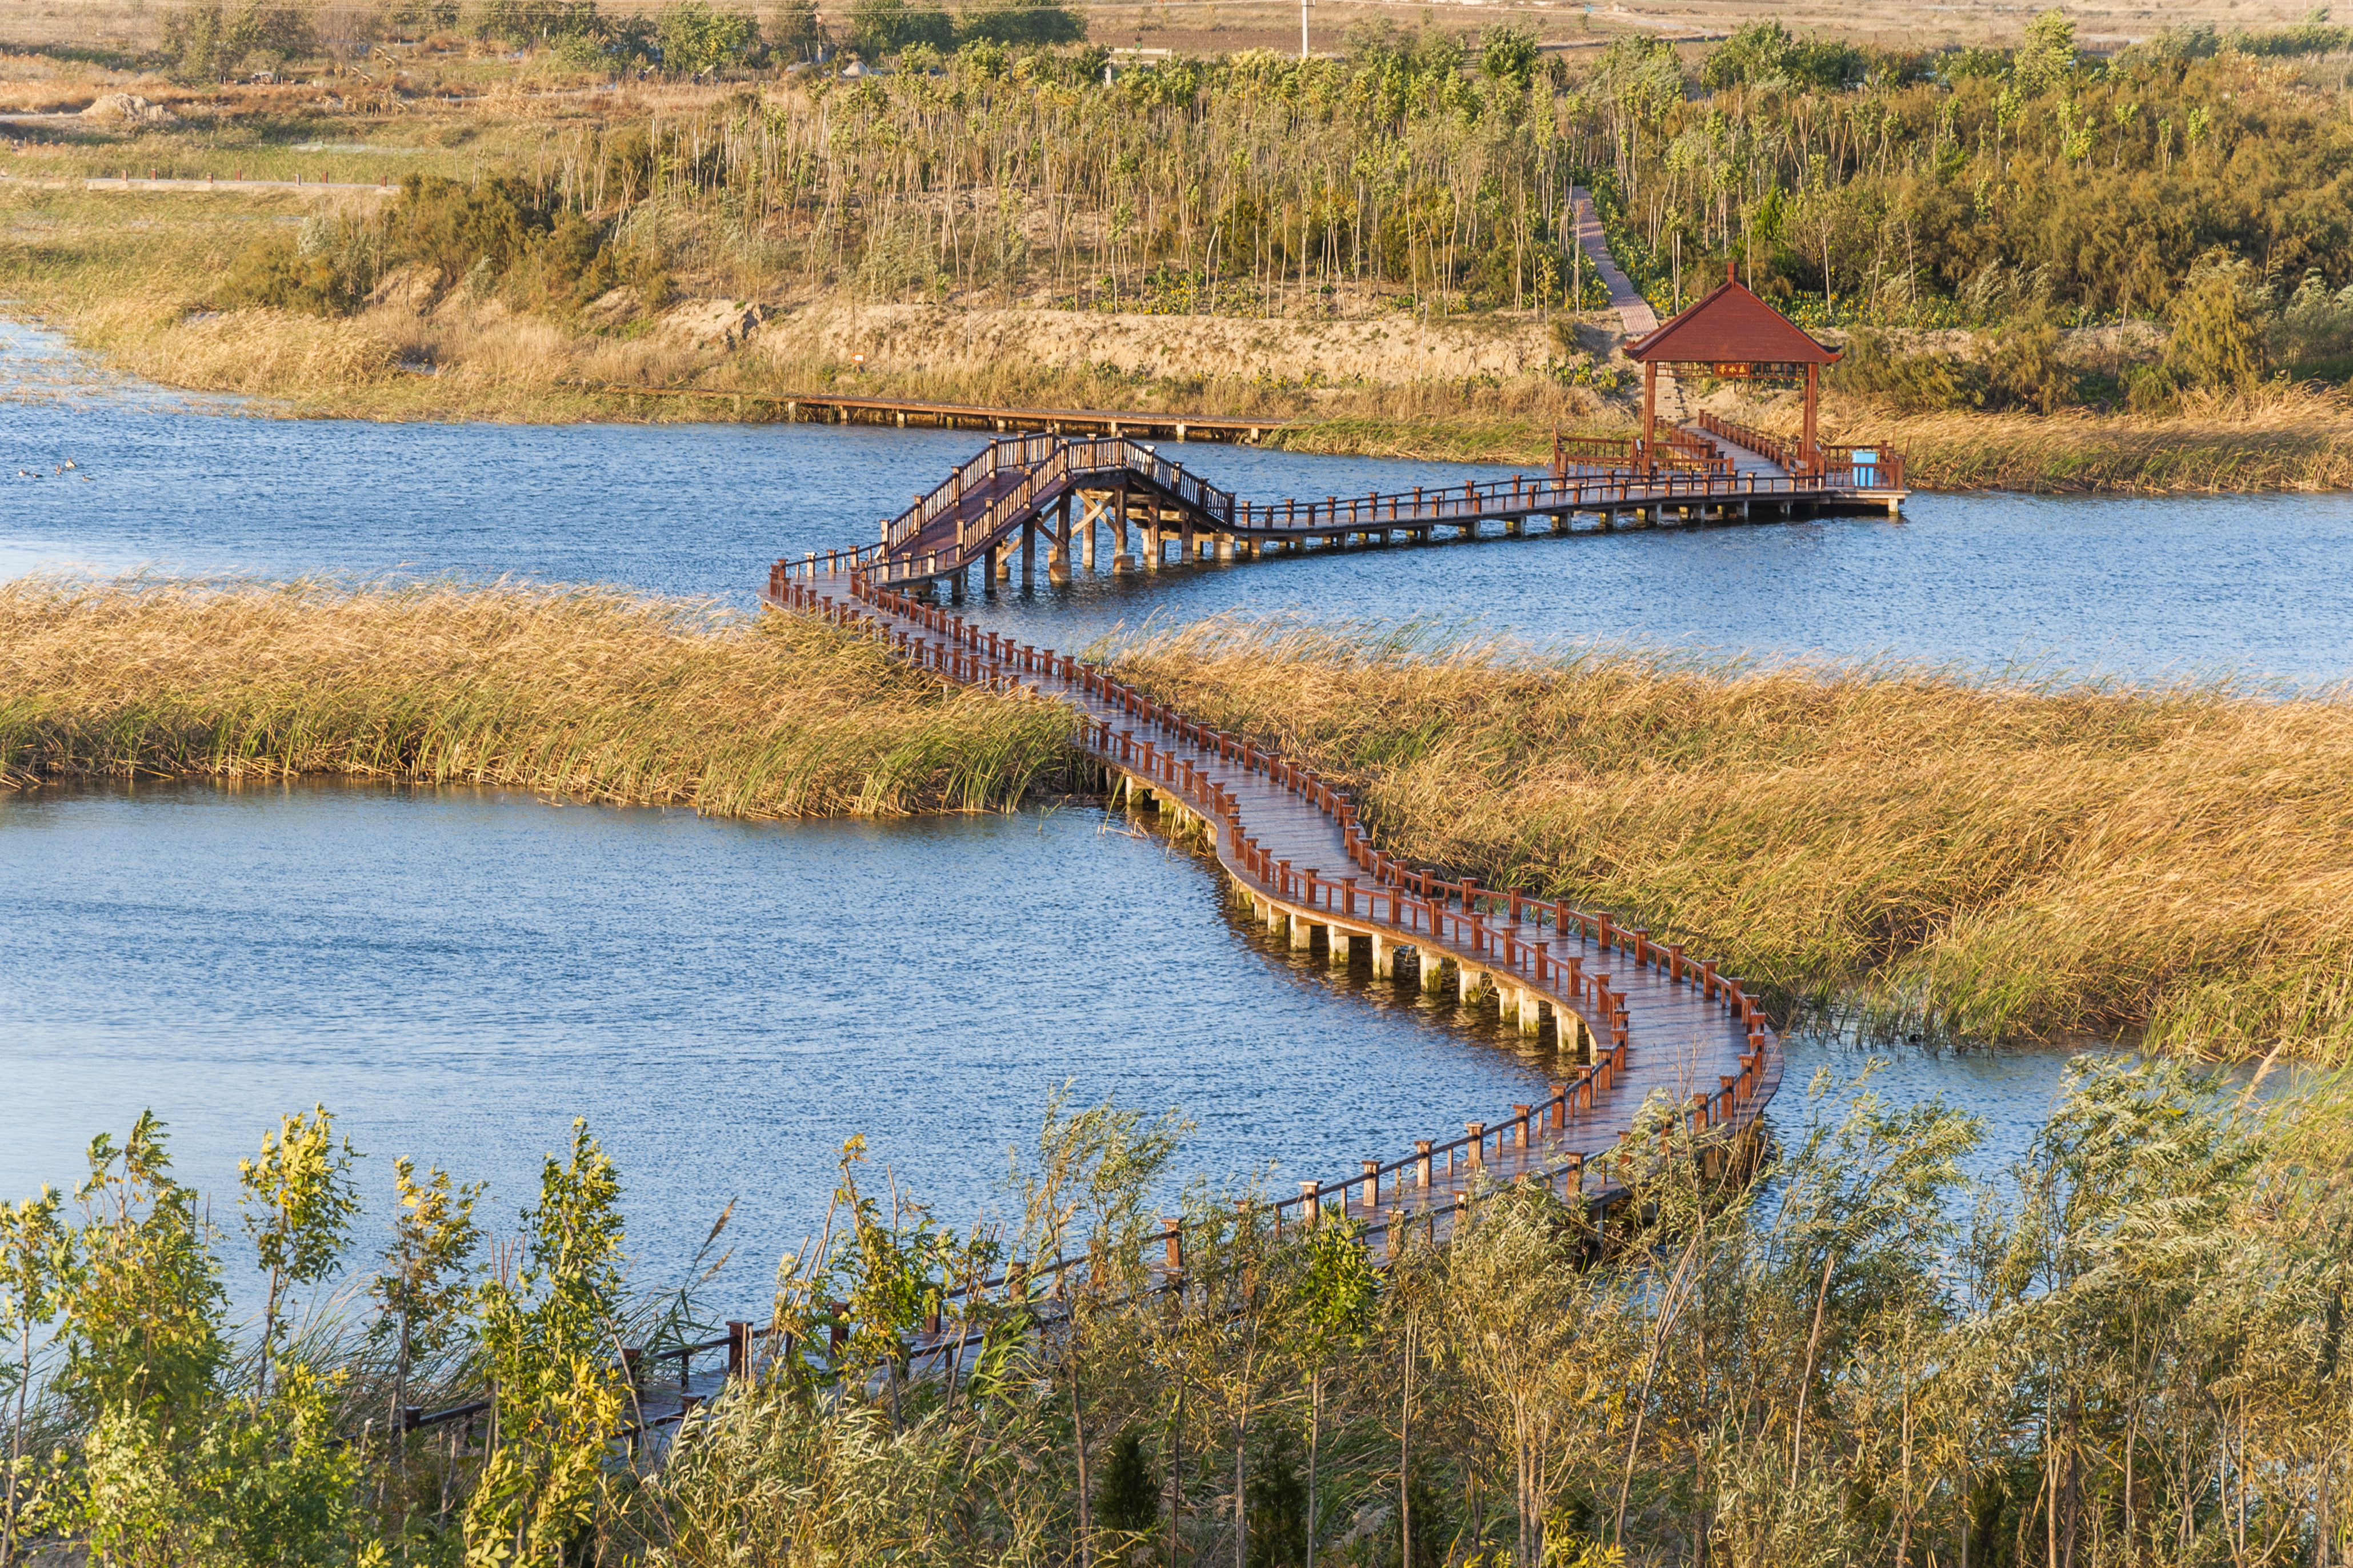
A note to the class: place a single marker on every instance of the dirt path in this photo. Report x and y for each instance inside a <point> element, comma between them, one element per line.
<point>1634,313</point>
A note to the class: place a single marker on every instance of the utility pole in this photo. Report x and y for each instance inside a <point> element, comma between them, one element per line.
<point>1303,31</point>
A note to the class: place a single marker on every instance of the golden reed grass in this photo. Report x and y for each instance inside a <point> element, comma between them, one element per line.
<point>1902,849</point>
<point>585,692</point>
<point>2278,438</point>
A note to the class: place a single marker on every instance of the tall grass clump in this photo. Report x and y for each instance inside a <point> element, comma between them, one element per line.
<point>584,691</point>
<point>2275,438</point>
<point>1982,858</point>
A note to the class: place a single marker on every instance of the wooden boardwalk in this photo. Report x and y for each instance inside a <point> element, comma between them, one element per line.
<point>1636,1019</point>
<point>1634,1024</point>
<point>1051,494</point>
<point>916,414</point>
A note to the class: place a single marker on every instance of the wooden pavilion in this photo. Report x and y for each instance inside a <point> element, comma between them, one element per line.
<point>1735,336</point>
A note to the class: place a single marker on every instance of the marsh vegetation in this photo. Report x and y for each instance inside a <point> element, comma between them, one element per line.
<point>2127,1352</point>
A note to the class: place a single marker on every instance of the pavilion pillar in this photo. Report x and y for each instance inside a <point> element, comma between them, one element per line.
<point>1807,453</point>
<point>1651,410</point>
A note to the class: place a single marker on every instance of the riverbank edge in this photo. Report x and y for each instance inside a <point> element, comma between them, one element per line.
<point>1946,455</point>
<point>2285,441</point>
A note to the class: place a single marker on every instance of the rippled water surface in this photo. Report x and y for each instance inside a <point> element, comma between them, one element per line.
<point>460,972</point>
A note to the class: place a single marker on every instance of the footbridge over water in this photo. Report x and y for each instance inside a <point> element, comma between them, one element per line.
<point>1649,1039</point>
<point>1024,496</point>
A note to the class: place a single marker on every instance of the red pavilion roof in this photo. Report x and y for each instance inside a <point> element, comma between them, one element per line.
<point>1731,326</point>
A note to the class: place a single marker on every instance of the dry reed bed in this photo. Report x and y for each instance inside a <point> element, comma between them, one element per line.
<point>2282,438</point>
<point>1898,847</point>
<point>587,692</point>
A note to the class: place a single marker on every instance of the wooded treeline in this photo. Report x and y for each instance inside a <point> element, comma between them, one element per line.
<point>2129,1351</point>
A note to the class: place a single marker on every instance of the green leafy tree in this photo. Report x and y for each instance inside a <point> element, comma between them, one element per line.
<point>881,28</point>
<point>1513,1290</point>
<point>1755,50</point>
<point>247,1485</point>
<point>1332,1313</point>
<point>204,42</point>
<point>1087,1195</point>
<point>298,1200</point>
<point>536,21</point>
<point>1508,56</point>
<point>425,1284</point>
<point>547,1338</point>
<point>698,37</point>
<point>2047,57</point>
<point>144,1324</point>
<point>37,1271</point>
<point>795,29</point>
<point>1034,24</point>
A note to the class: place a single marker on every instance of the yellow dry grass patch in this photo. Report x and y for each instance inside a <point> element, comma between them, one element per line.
<point>257,351</point>
<point>2278,438</point>
<point>1904,845</point>
<point>587,692</point>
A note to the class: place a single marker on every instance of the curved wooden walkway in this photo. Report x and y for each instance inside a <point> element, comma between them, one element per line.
<point>1631,1020</point>
<point>1638,1018</point>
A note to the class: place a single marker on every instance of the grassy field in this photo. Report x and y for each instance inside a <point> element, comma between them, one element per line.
<point>2282,438</point>
<point>582,692</point>
<point>1906,848</point>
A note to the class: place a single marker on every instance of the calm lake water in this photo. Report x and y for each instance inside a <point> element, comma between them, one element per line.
<point>460,973</point>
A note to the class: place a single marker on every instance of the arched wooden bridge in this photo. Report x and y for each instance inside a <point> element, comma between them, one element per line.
<point>1030,493</point>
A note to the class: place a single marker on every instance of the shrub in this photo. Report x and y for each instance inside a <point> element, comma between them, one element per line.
<point>274,272</point>
<point>452,226</point>
<point>1761,52</point>
<point>2220,324</point>
<point>878,28</point>
<point>2312,35</point>
<point>2317,326</point>
<point>1130,1498</point>
<point>696,38</point>
<point>536,21</point>
<point>796,31</point>
<point>1034,23</point>
<point>203,43</point>
<point>1913,384</point>
<point>2149,390</point>
<point>496,233</point>
<point>2023,369</point>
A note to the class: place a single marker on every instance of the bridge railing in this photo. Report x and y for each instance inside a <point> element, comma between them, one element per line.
<point>1072,457</point>
<point>1006,452</point>
<point>1453,915</point>
<point>1048,467</point>
<point>1836,467</point>
<point>1453,506</point>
